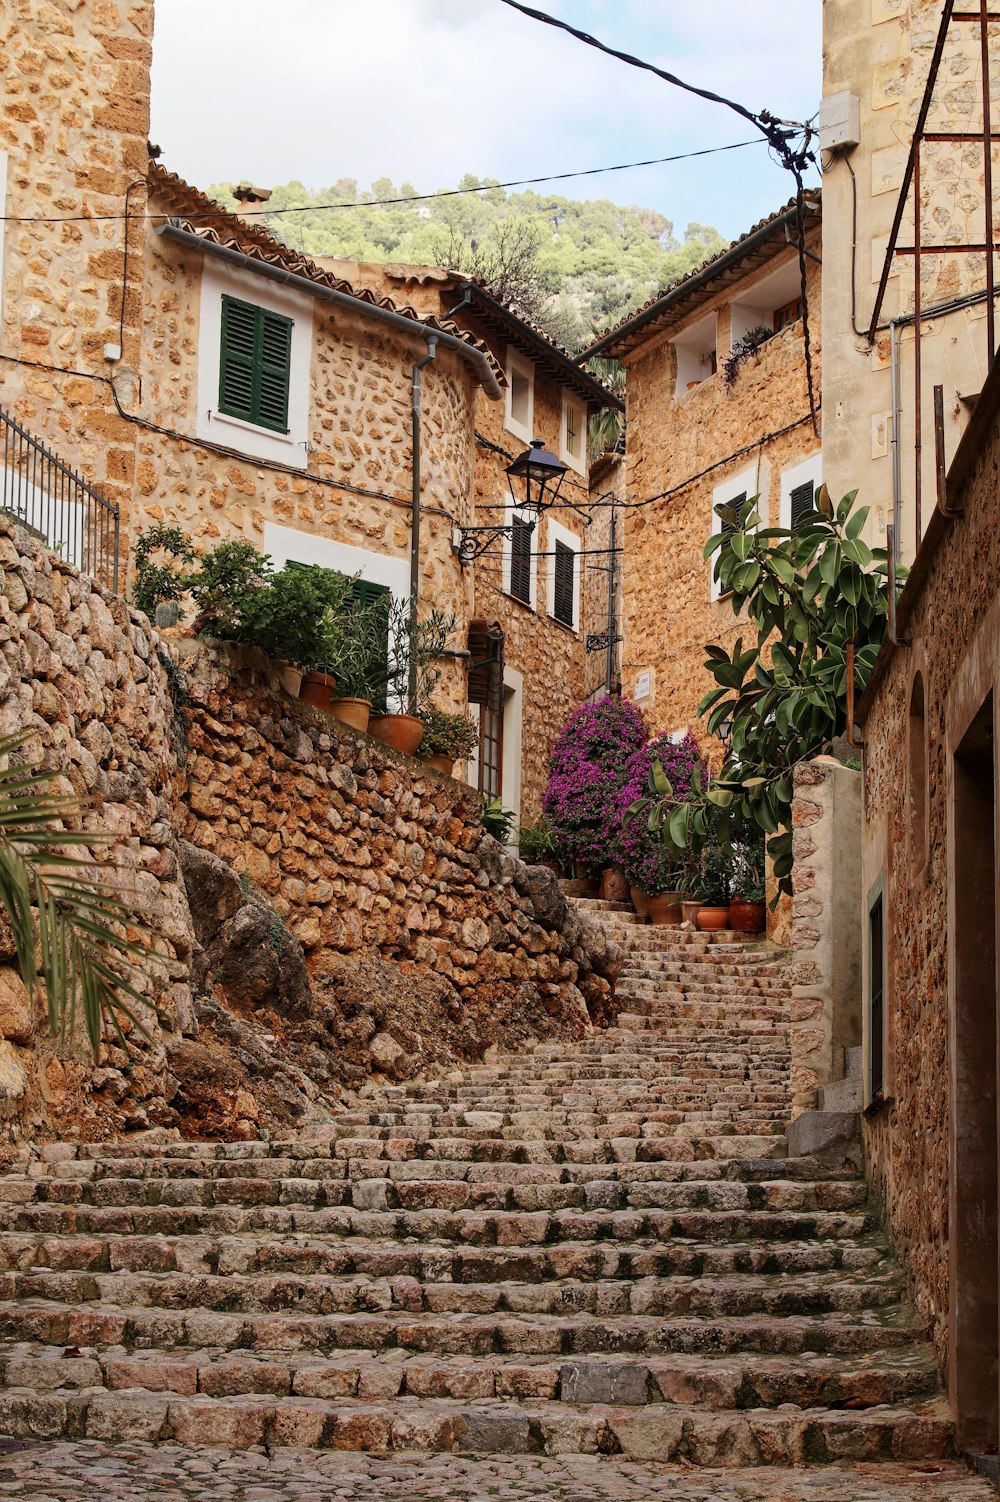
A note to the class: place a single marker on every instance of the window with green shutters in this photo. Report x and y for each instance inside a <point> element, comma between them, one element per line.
<point>563,594</point>
<point>521,561</point>
<point>255,364</point>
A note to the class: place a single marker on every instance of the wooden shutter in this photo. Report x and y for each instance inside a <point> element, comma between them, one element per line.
<point>485,644</point>
<point>729,528</point>
<point>565,576</point>
<point>521,560</point>
<point>364,593</point>
<point>255,364</point>
<point>802,500</point>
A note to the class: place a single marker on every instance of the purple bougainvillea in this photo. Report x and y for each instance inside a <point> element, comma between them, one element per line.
<point>637,850</point>
<point>587,770</point>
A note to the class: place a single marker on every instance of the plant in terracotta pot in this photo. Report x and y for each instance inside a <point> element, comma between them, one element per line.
<point>446,738</point>
<point>588,768</point>
<point>413,649</point>
<point>747,908</point>
<point>355,656</point>
<point>715,887</point>
<point>290,621</point>
<point>536,844</point>
<point>650,866</point>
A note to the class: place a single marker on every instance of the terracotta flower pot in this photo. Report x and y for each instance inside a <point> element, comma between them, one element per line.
<point>441,763</point>
<point>614,887</point>
<point>316,689</point>
<point>353,712</point>
<point>291,678</point>
<point>713,920</point>
<point>689,912</point>
<point>640,901</point>
<point>747,917</point>
<point>400,731</point>
<point>665,909</point>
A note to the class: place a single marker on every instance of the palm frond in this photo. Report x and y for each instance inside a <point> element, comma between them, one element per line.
<point>72,935</point>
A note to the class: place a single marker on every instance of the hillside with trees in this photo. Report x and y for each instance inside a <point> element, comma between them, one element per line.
<point>574,265</point>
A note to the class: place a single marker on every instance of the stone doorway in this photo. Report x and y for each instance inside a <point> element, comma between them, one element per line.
<point>974,1246</point>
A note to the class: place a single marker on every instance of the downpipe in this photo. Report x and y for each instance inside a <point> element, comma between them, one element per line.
<point>415,390</point>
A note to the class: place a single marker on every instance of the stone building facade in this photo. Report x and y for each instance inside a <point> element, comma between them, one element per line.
<point>876,61</point>
<point>695,442</point>
<point>115,349</point>
<point>930,881</point>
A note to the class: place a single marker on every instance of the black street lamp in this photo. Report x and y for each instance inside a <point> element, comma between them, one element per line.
<point>541,474</point>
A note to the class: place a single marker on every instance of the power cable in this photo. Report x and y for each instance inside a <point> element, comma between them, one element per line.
<point>779,134</point>
<point>378,203</point>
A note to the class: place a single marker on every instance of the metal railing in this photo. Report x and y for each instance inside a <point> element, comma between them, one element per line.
<point>42,492</point>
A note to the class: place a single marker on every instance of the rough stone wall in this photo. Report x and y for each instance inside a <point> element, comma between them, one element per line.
<point>668,613</point>
<point>907,1140</point>
<point>74,121</point>
<point>79,670</point>
<point>365,852</point>
<point>825,938</point>
<point>607,478</point>
<point>879,50</point>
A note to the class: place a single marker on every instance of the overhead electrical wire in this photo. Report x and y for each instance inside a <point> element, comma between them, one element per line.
<point>378,203</point>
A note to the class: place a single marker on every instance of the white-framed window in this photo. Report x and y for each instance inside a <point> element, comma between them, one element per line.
<point>573,435</point>
<point>696,352</point>
<point>520,556</point>
<point>520,414</point>
<point>562,573</point>
<point>271,378</point>
<point>732,492</point>
<point>799,484</point>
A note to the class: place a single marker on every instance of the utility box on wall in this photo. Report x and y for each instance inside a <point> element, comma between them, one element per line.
<point>840,122</point>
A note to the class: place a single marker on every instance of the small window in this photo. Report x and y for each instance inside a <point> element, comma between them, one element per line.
<point>491,752</point>
<point>802,499</point>
<point>520,559</point>
<point>255,364</point>
<point>728,528</point>
<point>520,397</point>
<point>876,1000</point>
<point>565,584</point>
<point>574,433</point>
<point>789,312</point>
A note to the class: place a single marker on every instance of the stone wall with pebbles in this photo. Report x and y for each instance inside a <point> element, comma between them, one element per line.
<point>360,849</point>
<point>79,670</point>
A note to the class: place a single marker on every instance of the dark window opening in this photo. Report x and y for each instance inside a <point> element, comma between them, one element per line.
<point>729,528</point>
<point>876,1001</point>
<point>789,312</point>
<point>803,499</point>
<point>565,578</point>
<point>491,752</point>
<point>521,560</point>
<point>255,364</point>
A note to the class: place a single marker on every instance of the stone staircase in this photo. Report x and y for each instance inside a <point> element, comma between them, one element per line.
<point>589,1249</point>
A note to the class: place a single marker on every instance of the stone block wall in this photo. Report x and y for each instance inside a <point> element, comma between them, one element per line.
<point>363,851</point>
<point>826,925</point>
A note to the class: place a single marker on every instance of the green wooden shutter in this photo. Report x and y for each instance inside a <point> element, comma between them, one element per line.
<point>729,528</point>
<point>255,364</point>
<point>364,593</point>
<point>520,560</point>
<point>802,499</point>
<point>565,575</point>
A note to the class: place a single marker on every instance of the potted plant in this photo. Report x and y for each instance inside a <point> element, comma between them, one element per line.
<point>410,677</point>
<point>290,619</point>
<point>163,557</point>
<point>747,909</point>
<point>715,888</point>
<point>647,861</point>
<point>614,885</point>
<point>536,845</point>
<point>497,820</point>
<point>356,655</point>
<point>447,738</point>
<point>588,768</point>
<point>688,888</point>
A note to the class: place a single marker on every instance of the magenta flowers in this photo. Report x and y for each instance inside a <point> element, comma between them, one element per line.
<point>588,769</point>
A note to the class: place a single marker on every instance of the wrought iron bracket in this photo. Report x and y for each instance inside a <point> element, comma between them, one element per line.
<point>600,641</point>
<point>471,542</point>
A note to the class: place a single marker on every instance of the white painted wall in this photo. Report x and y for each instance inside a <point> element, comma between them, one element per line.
<point>3,210</point>
<point>259,443</point>
<point>287,545</point>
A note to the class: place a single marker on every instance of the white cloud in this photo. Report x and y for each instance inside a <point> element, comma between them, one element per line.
<point>424,90</point>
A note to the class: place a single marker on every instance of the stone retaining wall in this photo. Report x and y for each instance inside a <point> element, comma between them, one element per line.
<point>360,849</point>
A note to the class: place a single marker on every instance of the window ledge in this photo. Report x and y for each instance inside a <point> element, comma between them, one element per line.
<point>876,1107</point>
<point>253,427</point>
<point>563,625</point>
<point>516,600</point>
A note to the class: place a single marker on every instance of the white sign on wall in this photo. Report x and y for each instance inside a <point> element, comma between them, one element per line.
<point>643,685</point>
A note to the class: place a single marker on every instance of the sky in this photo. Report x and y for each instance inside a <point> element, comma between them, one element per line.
<point>423,91</point>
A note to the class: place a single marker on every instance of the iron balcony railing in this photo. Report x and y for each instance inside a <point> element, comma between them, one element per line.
<point>43,493</point>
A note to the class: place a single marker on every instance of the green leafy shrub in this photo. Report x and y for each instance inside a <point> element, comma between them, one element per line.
<point>163,557</point>
<point>497,820</point>
<point>228,578</point>
<point>447,734</point>
<point>537,842</point>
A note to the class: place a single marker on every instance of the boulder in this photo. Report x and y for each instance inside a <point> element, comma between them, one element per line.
<point>213,889</point>
<point>257,962</point>
<point>551,908</point>
<point>17,1018</point>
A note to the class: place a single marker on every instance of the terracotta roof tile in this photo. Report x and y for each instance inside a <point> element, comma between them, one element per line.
<point>209,220</point>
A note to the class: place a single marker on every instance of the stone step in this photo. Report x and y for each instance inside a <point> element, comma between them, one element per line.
<point>831,1291</point>
<point>497,1333</point>
<point>749,1437</point>
<point>299,1253</point>
<point>894,1376</point>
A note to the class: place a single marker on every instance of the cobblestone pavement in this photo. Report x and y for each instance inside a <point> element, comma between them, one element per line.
<point>168,1473</point>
